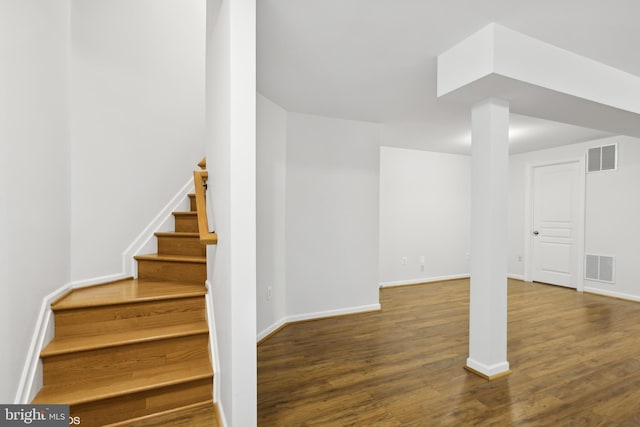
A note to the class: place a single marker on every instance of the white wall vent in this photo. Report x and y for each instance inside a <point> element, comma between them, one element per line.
<point>603,158</point>
<point>600,268</point>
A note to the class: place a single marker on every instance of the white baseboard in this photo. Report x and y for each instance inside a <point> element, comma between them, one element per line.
<point>423,280</point>
<point>272,328</point>
<point>98,280</point>
<point>315,316</point>
<point>162,222</point>
<point>607,293</point>
<point>437,279</point>
<point>223,418</point>
<point>31,378</point>
<point>332,313</point>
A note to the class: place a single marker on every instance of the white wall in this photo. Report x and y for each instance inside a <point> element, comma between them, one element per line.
<point>271,226</point>
<point>35,189</point>
<point>8,388</point>
<point>332,215</point>
<point>612,214</point>
<point>231,152</point>
<point>424,212</point>
<point>612,210</point>
<point>137,120</point>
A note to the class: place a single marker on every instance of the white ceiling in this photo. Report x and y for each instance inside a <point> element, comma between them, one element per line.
<point>375,60</point>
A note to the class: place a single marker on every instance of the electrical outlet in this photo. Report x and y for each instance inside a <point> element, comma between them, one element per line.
<point>519,258</point>
<point>269,293</point>
<point>404,260</point>
<point>422,260</point>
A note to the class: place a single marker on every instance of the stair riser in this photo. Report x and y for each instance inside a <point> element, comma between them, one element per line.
<point>202,414</point>
<point>125,361</point>
<point>186,223</point>
<point>190,246</point>
<point>134,316</point>
<point>172,271</point>
<point>144,403</point>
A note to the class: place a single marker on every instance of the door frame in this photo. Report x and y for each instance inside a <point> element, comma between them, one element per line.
<point>528,218</point>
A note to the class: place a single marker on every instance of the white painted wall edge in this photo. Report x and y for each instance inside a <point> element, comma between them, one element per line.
<point>316,316</point>
<point>495,49</point>
<point>516,276</point>
<point>613,294</point>
<point>129,265</point>
<point>476,52</point>
<point>213,341</point>
<point>524,58</point>
<point>30,381</point>
<point>423,280</point>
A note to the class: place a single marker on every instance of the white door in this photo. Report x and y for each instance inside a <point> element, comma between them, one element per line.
<point>555,224</point>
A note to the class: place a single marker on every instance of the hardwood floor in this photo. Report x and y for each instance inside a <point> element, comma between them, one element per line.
<point>575,359</point>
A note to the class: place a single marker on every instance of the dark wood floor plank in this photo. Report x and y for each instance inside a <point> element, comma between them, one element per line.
<point>575,360</point>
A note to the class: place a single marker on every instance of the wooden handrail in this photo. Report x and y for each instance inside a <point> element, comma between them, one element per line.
<point>202,164</point>
<point>206,237</point>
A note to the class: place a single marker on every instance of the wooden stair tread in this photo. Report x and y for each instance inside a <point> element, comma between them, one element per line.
<point>72,344</point>
<point>136,352</point>
<point>123,384</point>
<point>201,414</point>
<point>125,292</point>
<point>176,234</point>
<point>172,258</point>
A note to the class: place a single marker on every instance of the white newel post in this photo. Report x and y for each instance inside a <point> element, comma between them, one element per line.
<point>489,198</point>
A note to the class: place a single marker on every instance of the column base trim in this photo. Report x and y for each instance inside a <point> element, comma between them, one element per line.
<point>489,373</point>
<point>488,377</point>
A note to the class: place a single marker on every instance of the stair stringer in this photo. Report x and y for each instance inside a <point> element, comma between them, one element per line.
<point>31,378</point>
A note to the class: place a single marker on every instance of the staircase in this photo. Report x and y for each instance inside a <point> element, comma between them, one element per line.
<point>136,352</point>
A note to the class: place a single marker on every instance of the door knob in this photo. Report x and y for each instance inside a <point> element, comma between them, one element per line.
<point>536,232</point>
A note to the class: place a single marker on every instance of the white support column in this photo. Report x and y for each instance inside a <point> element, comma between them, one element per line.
<point>489,197</point>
